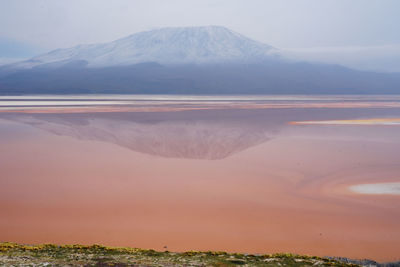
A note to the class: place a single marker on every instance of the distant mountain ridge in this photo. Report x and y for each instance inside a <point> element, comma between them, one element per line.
<point>195,45</point>
<point>186,60</point>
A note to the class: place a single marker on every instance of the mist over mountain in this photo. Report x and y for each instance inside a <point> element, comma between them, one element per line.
<point>187,60</point>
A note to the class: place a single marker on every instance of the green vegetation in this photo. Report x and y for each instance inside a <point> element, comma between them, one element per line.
<point>12,254</point>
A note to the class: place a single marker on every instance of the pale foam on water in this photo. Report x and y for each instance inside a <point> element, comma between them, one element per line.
<point>377,189</point>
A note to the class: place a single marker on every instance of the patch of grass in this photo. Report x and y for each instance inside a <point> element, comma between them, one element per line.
<point>12,254</point>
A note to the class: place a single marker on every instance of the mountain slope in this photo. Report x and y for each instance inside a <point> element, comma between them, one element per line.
<point>192,60</point>
<point>151,78</point>
<point>197,45</point>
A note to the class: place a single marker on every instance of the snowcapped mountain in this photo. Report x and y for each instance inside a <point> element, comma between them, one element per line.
<point>185,61</point>
<point>198,45</point>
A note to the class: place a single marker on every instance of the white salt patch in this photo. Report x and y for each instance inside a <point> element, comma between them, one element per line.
<point>381,188</point>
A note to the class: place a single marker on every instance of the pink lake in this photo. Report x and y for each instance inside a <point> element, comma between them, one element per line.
<point>236,175</point>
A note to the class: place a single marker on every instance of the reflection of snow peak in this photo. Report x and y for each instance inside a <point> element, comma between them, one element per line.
<point>379,188</point>
<point>177,139</point>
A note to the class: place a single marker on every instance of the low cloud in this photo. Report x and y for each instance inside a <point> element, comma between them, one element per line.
<point>384,58</point>
<point>5,61</point>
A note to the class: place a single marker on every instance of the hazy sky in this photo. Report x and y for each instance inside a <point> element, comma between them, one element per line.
<point>29,26</point>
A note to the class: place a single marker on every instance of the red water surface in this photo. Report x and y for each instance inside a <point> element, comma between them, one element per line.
<point>243,181</point>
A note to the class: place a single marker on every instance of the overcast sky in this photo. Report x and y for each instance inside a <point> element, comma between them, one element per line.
<point>32,26</point>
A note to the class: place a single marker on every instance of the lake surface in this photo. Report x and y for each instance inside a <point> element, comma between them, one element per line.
<point>240,173</point>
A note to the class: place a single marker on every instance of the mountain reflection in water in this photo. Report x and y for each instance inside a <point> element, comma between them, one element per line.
<point>254,182</point>
<point>208,138</point>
